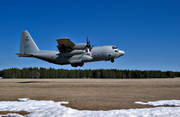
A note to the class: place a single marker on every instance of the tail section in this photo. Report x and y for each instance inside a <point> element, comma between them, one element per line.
<point>28,46</point>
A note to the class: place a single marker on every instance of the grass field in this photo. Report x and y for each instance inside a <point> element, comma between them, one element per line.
<point>92,94</point>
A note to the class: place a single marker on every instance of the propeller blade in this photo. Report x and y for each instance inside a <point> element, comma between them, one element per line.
<point>88,44</point>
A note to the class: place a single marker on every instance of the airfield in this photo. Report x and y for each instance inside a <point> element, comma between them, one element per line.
<point>92,94</point>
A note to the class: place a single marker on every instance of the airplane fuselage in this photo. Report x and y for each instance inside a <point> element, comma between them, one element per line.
<point>69,52</point>
<point>100,53</point>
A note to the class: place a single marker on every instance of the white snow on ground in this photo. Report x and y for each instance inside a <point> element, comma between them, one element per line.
<point>11,115</point>
<point>23,99</point>
<point>46,108</point>
<point>161,103</point>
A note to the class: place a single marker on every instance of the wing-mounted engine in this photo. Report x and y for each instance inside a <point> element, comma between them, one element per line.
<point>65,45</point>
<point>78,60</point>
<point>78,53</point>
<point>73,52</point>
<point>81,46</point>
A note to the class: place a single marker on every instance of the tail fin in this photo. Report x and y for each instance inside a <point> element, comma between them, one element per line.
<point>28,46</point>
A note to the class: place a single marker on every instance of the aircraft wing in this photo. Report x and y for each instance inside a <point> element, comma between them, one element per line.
<point>65,45</point>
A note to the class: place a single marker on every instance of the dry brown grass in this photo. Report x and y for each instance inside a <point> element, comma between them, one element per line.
<point>93,94</point>
<point>6,112</point>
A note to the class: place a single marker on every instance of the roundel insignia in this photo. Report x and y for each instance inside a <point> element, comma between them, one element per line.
<point>26,38</point>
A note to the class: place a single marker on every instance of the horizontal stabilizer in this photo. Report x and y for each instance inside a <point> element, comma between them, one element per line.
<point>24,55</point>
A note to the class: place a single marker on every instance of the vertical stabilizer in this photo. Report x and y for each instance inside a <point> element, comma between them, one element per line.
<point>28,46</point>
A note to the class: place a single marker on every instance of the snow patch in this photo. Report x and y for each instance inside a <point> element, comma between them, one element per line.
<point>11,115</point>
<point>160,103</point>
<point>48,108</point>
<point>23,99</point>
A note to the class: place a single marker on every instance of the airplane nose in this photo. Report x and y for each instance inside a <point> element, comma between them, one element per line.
<point>121,52</point>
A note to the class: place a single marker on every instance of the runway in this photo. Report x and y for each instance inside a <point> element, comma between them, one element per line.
<point>92,94</point>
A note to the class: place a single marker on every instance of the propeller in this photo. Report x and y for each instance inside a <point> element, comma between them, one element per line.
<point>88,44</point>
<point>88,47</point>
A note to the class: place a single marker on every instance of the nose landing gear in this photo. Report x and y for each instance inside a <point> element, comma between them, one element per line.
<point>112,60</point>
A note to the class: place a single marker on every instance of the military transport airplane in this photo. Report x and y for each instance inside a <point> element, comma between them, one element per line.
<point>69,52</point>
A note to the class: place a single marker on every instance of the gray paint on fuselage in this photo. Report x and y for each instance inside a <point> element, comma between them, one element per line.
<point>79,54</point>
<point>98,54</point>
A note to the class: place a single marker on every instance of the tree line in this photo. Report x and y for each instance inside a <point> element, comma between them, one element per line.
<point>99,73</point>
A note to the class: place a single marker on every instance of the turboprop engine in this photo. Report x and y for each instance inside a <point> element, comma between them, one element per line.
<point>74,52</point>
<point>80,46</point>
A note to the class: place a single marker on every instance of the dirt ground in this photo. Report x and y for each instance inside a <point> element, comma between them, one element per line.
<point>92,94</point>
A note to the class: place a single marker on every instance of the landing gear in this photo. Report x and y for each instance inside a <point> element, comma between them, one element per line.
<point>77,64</point>
<point>81,64</point>
<point>112,60</point>
<point>73,65</point>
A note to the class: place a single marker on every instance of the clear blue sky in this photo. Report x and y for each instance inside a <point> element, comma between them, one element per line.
<point>148,30</point>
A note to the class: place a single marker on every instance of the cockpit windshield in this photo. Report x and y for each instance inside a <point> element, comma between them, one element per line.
<point>114,47</point>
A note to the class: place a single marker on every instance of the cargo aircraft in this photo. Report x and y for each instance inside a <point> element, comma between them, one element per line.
<point>69,52</point>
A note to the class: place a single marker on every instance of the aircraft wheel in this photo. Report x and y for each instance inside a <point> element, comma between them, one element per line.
<point>73,65</point>
<point>112,60</point>
<point>77,64</point>
<point>81,64</point>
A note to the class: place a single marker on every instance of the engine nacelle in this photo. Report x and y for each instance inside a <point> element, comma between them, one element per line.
<point>86,58</point>
<point>80,59</point>
<point>74,52</point>
<point>80,46</point>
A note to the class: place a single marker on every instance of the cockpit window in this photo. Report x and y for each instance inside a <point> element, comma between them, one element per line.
<point>116,50</point>
<point>114,47</point>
